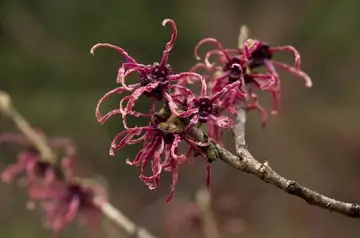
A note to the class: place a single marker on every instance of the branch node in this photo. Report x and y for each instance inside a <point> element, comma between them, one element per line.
<point>329,207</point>
<point>354,210</point>
<point>292,187</point>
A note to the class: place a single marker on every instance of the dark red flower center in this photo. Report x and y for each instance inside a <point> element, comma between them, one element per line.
<point>168,137</point>
<point>42,167</point>
<point>258,56</point>
<point>234,68</point>
<point>248,79</point>
<point>205,107</point>
<point>75,190</point>
<point>157,73</point>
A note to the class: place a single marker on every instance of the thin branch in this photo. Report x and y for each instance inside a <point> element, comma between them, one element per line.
<point>247,163</point>
<point>209,224</point>
<point>239,127</point>
<point>107,209</point>
<point>240,121</point>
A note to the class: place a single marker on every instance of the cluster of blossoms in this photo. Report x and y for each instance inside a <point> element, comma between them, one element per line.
<point>223,87</point>
<point>60,195</point>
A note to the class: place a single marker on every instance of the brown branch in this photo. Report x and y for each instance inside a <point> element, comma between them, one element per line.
<point>247,163</point>
<point>107,209</point>
<point>209,224</point>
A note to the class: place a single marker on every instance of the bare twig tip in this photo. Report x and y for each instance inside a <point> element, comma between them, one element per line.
<point>243,35</point>
<point>5,100</point>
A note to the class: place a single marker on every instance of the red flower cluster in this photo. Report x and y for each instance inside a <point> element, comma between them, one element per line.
<point>241,64</point>
<point>182,108</point>
<point>60,195</point>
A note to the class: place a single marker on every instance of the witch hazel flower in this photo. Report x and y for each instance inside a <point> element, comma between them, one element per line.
<point>155,80</point>
<point>232,69</point>
<point>209,69</point>
<point>232,65</point>
<point>28,162</point>
<point>203,108</point>
<point>160,151</point>
<point>257,53</point>
<point>62,201</point>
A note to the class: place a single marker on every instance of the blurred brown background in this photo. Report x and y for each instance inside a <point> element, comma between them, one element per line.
<point>46,66</point>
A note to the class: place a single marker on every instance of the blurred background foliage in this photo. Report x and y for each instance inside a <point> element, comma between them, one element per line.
<point>46,66</point>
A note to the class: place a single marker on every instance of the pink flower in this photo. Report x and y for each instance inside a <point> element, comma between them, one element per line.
<point>28,162</point>
<point>61,202</point>
<point>239,64</point>
<point>157,142</point>
<point>257,53</point>
<point>155,80</point>
<point>204,108</point>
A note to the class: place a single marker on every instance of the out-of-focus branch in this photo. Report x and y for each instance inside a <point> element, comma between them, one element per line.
<point>108,210</point>
<point>209,225</point>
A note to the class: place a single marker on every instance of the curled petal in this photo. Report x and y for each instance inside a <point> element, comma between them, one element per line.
<point>175,145</point>
<point>214,132</point>
<point>103,119</point>
<point>57,190</point>
<point>152,181</point>
<point>208,175</point>
<point>125,137</point>
<point>184,91</point>
<point>172,105</point>
<point>122,75</point>
<point>276,101</point>
<point>197,143</point>
<point>189,112</point>
<point>197,66</point>
<point>175,179</point>
<point>224,91</point>
<point>10,137</point>
<point>124,113</point>
<point>290,49</point>
<point>212,41</point>
<point>221,121</point>
<point>250,45</point>
<point>170,44</point>
<point>191,74</point>
<point>137,93</point>
<point>118,49</point>
<point>73,208</point>
<point>220,53</point>
<point>220,82</point>
<point>14,169</point>
<point>307,79</point>
<point>276,78</point>
<point>255,105</point>
<point>144,154</point>
<point>270,80</point>
<point>194,120</point>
